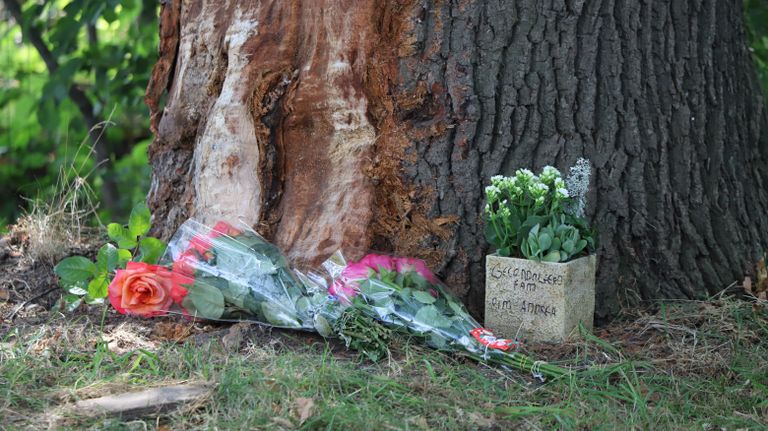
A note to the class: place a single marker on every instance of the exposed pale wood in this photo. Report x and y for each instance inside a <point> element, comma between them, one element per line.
<point>135,404</point>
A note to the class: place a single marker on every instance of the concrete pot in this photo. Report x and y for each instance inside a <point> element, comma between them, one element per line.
<point>538,301</point>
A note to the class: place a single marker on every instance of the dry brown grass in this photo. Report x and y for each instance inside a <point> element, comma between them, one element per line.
<point>52,226</point>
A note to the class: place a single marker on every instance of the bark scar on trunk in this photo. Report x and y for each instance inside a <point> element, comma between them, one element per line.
<point>161,77</point>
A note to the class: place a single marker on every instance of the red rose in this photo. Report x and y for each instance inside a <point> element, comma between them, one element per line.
<point>201,244</point>
<point>186,263</point>
<point>146,290</point>
<point>224,228</point>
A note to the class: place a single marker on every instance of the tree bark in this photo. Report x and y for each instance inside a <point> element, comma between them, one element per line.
<point>357,124</point>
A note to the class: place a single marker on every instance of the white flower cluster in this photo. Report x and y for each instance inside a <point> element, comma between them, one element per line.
<point>525,183</point>
<point>492,193</point>
<point>549,175</point>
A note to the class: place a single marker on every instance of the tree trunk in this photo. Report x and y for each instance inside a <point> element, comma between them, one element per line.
<point>356,124</point>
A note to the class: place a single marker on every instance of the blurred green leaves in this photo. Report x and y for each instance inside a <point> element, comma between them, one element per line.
<point>106,49</point>
<point>756,19</point>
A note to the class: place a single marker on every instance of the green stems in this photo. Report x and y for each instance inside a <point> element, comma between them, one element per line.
<point>526,364</point>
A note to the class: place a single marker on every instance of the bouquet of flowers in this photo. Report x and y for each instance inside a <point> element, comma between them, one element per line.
<point>228,273</point>
<point>219,273</point>
<point>405,296</point>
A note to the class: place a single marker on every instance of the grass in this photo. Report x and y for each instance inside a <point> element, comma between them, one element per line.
<point>663,380</point>
<point>53,224</point>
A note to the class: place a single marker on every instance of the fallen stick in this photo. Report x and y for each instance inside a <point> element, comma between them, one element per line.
<point>135,404</point>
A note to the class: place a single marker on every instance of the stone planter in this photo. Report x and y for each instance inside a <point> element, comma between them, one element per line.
<point>538,301</point>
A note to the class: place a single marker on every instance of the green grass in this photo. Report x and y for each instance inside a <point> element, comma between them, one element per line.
<point>669,382</point>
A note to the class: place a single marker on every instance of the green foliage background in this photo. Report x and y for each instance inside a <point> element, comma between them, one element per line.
<point>756,17</point>
<point>107,48</point>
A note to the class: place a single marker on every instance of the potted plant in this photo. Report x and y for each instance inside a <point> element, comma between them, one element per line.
<point>540,282</point>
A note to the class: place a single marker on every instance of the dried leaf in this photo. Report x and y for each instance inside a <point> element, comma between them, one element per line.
<point>762,278</point>
<point>762,271</point>
<point>480,420</point>
<point>283,422</point>
<point>167,331</point>
<point>4,294</point>
<point>747,285</point>
<point>422,423</point>
<point>304,408</point>
<point>234,337</point>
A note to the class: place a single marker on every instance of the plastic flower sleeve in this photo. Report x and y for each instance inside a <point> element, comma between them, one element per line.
<point>403,293</point>
<point>232,273</point>
<point>237,275</point>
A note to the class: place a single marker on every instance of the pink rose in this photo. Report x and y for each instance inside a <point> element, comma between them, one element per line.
<point>378,262</point>
<point>343,291</point>
<point>356,271</point>
<point>408,264</point>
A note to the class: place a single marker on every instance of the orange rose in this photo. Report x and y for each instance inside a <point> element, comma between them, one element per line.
<point>146,290</point>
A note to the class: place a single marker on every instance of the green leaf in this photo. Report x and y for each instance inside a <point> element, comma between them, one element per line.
<point>71,302</point>
<point>429,315</point>
<point>568,246</point>
<point>424,297</point>
<point>458,309</point>
<point>545,241</point>
<point>121,236</point>
<point>490,233</point>
<point>552,256</point>
<point>235,257</point>
<point>77,288</point>
<point>406,294</point>
<point>375,289</point>
<point>533,245</point>
<point>116,232</point>
<point>151,249</point>
<point>504,252</point>
<point>139,222</point>
<point>204,300</point>
<point>555,244</point>
<point>279,316</point>
<point>437,341</point>
<point>580,246</point>
<point>98,287</point>
<point>123,256</point>
<point>322,326</point>
<point>107,259</point>
<point>75,268</point>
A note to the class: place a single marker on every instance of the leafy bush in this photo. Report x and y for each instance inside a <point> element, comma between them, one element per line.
<point>537,217</point>
<point>103,48</point>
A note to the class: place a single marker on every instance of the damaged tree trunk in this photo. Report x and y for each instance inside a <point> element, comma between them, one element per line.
<point>367,124</point>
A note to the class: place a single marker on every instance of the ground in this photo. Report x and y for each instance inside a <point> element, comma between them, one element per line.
<point>684,365</point>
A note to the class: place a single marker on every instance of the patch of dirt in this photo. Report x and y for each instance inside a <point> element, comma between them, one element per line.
<point>30,283</point>
<point>684,338</point>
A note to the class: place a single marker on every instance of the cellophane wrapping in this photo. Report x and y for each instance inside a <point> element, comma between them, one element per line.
<point>235,274</point>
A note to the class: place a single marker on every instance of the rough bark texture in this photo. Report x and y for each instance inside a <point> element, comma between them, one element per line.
<point>361,124</point>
